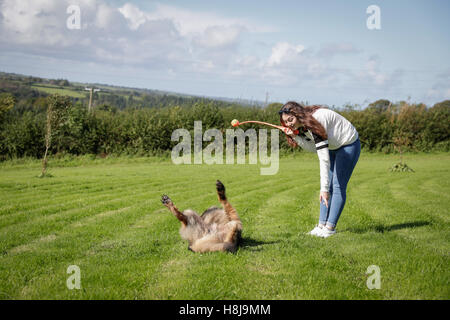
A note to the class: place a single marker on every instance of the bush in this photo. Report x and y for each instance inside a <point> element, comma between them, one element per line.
<point>383,127</point>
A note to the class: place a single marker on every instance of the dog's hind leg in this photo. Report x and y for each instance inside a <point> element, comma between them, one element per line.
<point>234,233</point>
<point>229,210</point>
<point>177,213</point>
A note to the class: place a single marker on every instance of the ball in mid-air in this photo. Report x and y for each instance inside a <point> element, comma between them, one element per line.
<point>234,123</point>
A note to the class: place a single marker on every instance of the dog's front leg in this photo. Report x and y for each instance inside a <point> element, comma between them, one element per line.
<point>177,213</point>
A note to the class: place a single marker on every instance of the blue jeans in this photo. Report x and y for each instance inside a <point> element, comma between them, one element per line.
<point>342,163</point>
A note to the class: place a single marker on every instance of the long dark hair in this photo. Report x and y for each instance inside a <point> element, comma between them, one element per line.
<point>304,116</point>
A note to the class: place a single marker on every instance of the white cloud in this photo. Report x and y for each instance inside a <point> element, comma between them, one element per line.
<point>372,75</point>
<point>284,52</point>
<point>177,41</point>
<point>330,50</point>
<point>106,17</point>
<point>133,14</point>
<point>372,72</point>
<point>28,21</point>
<point>440,90</point>
<point>39,27</point>
<point>200,29</point>
<point>167,37</point>
<point>189,22</point>
<point>218,36</point>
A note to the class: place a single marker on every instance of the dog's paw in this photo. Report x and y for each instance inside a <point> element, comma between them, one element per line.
<point>220,190</point>
<point>166,200</point>
<point>220,187</point>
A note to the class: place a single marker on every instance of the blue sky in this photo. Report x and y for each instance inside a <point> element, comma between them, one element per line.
<point>315,51</point>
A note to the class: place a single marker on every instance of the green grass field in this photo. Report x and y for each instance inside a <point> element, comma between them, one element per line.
<point>53,89</point>
<point>75,93</point>
<point>105,216</point>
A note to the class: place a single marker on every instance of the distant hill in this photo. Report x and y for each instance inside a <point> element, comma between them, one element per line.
<point>24,86</point>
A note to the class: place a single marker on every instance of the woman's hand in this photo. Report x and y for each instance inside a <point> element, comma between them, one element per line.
<point>291,134</point>
<point>325,196</point>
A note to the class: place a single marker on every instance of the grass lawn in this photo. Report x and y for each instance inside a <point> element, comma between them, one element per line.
<point>52,89</point>
<point>105,216</point>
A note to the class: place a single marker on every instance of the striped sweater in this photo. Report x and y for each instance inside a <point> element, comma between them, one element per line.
<point>340,132</point>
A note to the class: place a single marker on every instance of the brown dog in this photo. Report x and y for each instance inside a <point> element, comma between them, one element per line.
<point>215,230</point>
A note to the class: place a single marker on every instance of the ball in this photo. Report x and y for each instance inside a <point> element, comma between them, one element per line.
<point>234,123</point>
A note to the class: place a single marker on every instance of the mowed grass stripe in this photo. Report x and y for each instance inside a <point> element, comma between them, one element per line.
<point>95,196</point>
<point>241,271</point>
<point>422,217</point>
<point>61,203</point>
<point>137,253</point>
<point>404,224</point>
<point>182,276</point>
<point>37,226</point>
<point>382,195</point>
<point>59,195</point>
<point>75,244</point>
<point>386,216</point>
<point>40,226</point>
<point>44,185</point>
<point>85,187</point>
<point>350,277</point>
<point>90,175</point>
<point>186,276</point>
<point>171,223</point>
<point>430,206</point>
<point>62,192</point>
<point>183,264</point>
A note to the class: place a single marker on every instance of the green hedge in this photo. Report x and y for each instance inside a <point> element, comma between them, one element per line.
<point>147,131</point>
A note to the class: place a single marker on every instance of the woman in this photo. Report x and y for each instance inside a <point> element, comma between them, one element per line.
<point>337,144</point>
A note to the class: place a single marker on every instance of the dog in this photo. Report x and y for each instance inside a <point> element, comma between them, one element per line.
<point>215,230</point>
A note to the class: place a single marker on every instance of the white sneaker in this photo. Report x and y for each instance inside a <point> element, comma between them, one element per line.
<point>325,232</point>
<point>316,231</point>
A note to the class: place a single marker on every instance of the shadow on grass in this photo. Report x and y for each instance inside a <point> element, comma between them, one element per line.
<point>382,228</point>
<point>253,245</point>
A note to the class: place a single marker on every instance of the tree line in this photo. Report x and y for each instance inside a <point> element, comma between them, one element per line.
<point>383,126</point>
